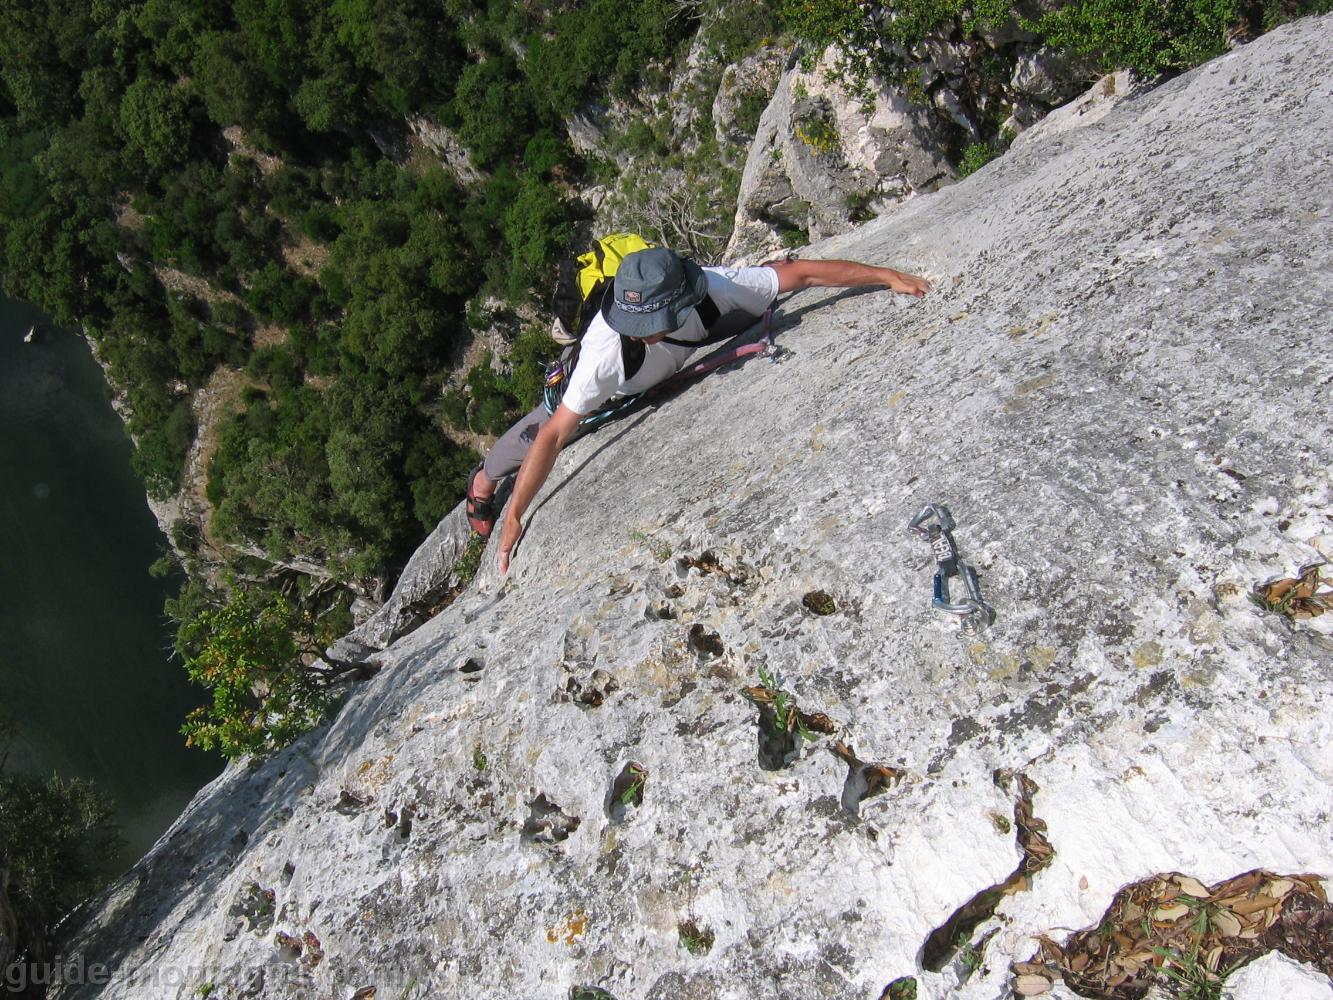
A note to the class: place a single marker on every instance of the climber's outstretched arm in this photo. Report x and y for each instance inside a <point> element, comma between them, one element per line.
<point>537,465</point>
<point>794,274</point>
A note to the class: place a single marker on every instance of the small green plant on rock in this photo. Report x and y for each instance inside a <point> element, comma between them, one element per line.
<point>819,132</point>
<point>968,954</point>
<point>902,988</point>
<point>632,795</point>
<point>975,157</point>
<point>787,718</point>
<point>1192,980</point>
<point>661,550</point>
<point>470,560</point>
<point>749,109</point>
<point>478,758</point>
<point>696,939</point>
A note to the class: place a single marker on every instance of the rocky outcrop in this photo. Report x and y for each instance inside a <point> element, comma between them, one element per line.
<point>562,780</point>
<point>828,156</point>
<point>823,160</point>
<point>747,85</point>
<point>429,576</point>
<point>442,142</point>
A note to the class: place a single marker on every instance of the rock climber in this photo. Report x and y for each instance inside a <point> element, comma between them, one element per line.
<point>654,299</point>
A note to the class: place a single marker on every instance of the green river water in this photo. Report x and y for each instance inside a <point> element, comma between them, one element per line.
<point>85,665</point>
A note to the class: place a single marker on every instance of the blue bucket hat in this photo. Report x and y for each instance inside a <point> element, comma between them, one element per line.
<point>653,293</point>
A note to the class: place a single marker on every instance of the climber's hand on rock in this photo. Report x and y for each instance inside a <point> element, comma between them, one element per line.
<point>908,284</point>
<point>509,536</point>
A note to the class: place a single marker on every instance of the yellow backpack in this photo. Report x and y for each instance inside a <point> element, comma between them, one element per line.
<point>597,268</point>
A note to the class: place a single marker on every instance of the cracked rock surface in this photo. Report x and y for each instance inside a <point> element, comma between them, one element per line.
<point>1120,389</point>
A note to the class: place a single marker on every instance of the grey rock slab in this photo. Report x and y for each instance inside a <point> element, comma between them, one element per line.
<point>1120,389</point>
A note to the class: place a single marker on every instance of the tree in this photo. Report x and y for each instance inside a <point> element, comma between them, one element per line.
<point>493,109</point>
<point>261,658</point>
<point>233,90</point>
<point>55,835</point>
<point>538,228</point>
<point>154,119</point>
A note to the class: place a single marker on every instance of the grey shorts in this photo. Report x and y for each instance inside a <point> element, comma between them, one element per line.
<point>507,454</point>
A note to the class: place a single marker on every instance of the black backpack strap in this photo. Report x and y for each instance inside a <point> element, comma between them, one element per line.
<point>632,352</point>
<point>709,313</point>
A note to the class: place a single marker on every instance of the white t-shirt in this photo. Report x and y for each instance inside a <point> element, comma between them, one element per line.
<point>600,371</point>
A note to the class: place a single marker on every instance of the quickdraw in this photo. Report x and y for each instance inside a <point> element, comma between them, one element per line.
<point>935,524</point>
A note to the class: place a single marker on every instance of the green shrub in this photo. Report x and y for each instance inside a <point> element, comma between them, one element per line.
<point>1146,36</point>
<point>437,472</point>
<point>454,406</point>
<point>56,836</point>
<point>527,365</point>
<point>160,450</point>
<point>749,109</point>
<point>975,157</point>
<point>279,296</point>
<point>254,655</point>
<point>819,132</point>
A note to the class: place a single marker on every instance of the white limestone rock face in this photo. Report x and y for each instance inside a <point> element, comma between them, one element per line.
<point>1119,387</point>
<point>1047,75</point>
<point>1089,108</point>
<point>1277,977</point>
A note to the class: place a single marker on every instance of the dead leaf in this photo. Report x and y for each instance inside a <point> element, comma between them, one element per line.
<point>846,753</point>
<point>1278,888</point>
<point>1028,968</point>
<point>1173,911</point>
<point>879,776</point>
<point>758,695</point>
<point>1313,884</point>
<point>1225,922</point>
<point>1245,907</point>
<point>1191,886</point>
<point>1080,962</point>
<point>1298,597</point>
<point>1031,986</point>
<point>1214,958</point>
<point>819,722</point>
